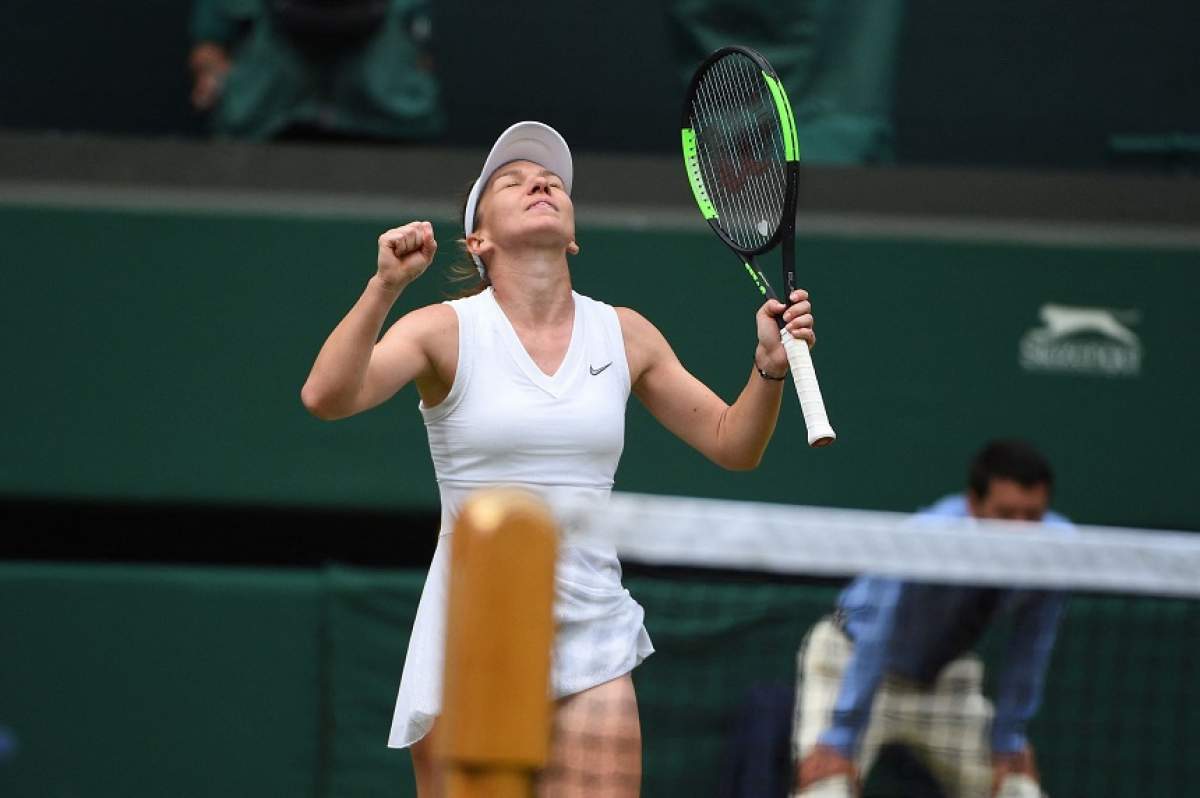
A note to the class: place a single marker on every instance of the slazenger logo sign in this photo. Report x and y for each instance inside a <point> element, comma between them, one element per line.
<point>1078,340</point>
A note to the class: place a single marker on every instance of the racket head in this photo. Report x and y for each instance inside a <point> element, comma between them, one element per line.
<point>740,148</point>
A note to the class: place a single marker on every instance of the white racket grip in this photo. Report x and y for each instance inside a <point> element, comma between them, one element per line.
<point>805,377</point>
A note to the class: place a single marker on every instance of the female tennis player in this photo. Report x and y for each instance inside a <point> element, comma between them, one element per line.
<point>525,383</point>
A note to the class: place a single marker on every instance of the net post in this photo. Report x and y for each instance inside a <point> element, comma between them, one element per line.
<point>494,732</point>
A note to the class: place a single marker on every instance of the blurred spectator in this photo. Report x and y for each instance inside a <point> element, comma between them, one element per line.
<point>324,69</point>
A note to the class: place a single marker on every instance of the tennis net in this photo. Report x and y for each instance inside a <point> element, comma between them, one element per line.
<point>1068,656</point>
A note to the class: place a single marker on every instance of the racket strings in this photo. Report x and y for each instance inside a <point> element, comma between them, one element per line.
<point>738,87</point>
<point>774,160</point>
<point>734,136</point>
<point>745,203</point>
<point>763,101</point>
<point>739,150</point>
<point>750,83</point>
<point>732,151</point>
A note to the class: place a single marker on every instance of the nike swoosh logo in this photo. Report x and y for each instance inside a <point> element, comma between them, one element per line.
<point>596,371</point>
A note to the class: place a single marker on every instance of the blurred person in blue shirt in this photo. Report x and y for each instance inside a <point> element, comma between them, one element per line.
<point>895,664</point>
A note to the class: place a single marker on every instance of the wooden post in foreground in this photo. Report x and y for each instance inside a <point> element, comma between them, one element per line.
<point>494,731</point>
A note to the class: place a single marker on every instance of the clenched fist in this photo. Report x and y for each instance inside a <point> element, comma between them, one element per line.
<point>405,253</point>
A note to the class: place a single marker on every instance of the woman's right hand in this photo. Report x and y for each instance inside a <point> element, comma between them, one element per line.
<point>405,253</point>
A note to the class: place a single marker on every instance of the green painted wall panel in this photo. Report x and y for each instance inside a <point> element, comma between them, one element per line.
<point>152,681</point>
<point>160,356</point>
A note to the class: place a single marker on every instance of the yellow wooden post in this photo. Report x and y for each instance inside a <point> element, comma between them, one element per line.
<point>494,731</point>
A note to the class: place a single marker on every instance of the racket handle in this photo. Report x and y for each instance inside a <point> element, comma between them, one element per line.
<point>805,377</point>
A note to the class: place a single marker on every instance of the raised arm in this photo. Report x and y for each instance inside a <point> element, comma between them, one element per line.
<point>732,436</point>
<point>353,372</point>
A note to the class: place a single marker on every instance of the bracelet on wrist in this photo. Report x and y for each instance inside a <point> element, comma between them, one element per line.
<point>767,376</point>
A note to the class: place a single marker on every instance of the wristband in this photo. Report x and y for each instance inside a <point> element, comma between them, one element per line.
<point>767,376</point>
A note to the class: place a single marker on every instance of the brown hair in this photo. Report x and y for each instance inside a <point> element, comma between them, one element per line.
<point>465,279</point>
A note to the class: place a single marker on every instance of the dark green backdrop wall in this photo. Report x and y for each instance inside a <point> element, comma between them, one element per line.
<point>159,355</point>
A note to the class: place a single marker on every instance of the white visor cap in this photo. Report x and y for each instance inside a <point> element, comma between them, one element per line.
<point>524,141</point>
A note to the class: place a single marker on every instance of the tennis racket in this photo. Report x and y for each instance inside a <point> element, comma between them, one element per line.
<point>742,158</point>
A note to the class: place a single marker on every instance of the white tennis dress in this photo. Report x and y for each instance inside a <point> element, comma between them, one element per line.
<point>506,422</point>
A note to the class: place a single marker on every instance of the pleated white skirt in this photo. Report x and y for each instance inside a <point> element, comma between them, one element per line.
<point>599,635</point>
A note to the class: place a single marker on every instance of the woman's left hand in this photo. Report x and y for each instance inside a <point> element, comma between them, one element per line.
<point>770,355</point>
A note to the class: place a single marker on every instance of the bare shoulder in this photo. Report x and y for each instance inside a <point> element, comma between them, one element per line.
<point>430,329</point>
<point>636,326</point>
<point>644,343</point>
<point>426,322</point>
<point>435,317</point>
<point>422,344</point>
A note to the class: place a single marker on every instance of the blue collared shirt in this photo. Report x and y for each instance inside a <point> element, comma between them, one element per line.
<point>871,607</point>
